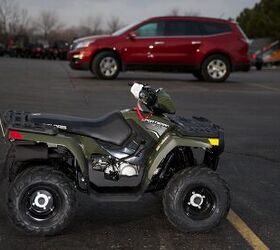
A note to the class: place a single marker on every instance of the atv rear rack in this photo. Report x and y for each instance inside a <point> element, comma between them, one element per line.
<point>19,121</point>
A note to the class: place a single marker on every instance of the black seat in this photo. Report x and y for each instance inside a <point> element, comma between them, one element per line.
<point>111,128</point>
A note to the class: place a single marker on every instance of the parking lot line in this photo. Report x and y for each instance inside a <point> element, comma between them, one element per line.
<point>254,241</point>
<point>264,87</point>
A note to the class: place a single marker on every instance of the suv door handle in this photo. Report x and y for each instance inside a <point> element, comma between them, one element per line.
<point>159,42</point>
<point>196,42</point>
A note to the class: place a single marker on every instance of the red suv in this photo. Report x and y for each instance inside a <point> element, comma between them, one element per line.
<point>208,48</point>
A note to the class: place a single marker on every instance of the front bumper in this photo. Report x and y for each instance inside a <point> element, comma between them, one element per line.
<point>78,65</point>
<point>80,59</point>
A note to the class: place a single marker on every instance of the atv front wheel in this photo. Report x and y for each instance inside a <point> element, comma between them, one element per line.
<point>196,200</point>
<point>41,201</point>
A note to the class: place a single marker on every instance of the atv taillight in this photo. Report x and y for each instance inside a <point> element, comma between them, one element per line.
<point>15,135</point>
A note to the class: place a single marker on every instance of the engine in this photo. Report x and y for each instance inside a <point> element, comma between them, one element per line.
<point>113,168</point>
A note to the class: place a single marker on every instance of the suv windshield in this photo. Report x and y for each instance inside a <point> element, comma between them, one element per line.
<point>123,30</point>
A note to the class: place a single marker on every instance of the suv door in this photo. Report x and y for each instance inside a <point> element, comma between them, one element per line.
<point>180,43</point>
<point>137,50</point>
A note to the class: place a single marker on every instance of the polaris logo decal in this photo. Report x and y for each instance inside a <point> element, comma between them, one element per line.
<point>157,123</point>
<point>63,127</point>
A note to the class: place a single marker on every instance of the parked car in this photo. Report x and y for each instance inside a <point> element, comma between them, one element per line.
<point>257,60</point>
<point>62,49</point>
<point>37,51</point>
<point>2,49</point>
<point>57,50</point>
<point>14,51</point>
<point>271,54</point>
<point>209,48</point>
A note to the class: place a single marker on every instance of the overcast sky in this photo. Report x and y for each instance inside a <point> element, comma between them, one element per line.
<point>72,12</point>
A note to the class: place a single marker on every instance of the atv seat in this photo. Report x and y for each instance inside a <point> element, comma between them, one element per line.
<point>111,128</point>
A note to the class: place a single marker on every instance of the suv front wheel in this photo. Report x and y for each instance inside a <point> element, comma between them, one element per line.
<point>216,68</point>
<point>105,65</point>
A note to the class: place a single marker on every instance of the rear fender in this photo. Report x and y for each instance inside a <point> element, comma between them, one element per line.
<point>167,144</point>
<point>71,143</point>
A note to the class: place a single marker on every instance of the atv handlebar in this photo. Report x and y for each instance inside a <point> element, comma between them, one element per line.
<point>144,94</point>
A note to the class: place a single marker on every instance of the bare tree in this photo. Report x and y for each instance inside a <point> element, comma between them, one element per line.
<point>9,15</point>
<point>20,22</point>
<point>192,13</point>
<point>25,22</point>
<point>114,24</point>
<point>91,25</point>
<point>69,34</point>
<point>14,22</point>
<point>174,12</point>
<point>48,22</point>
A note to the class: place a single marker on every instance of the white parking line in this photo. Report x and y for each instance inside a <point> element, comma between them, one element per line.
<point>264,87</point>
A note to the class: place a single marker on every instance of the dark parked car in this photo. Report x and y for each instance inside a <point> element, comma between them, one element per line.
<point>57,50</point>
<point>209,48</point>
<point>2,49</point>
<point>257,60</point>
<point>37,51</point>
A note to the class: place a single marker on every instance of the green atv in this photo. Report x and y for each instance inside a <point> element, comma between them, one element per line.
<point>118,157</point>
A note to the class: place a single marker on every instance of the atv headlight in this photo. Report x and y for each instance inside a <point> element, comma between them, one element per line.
<point>83,44</point>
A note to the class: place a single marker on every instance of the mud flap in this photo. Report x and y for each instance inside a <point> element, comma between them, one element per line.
<point>2,132</point>
<point>3,151</point>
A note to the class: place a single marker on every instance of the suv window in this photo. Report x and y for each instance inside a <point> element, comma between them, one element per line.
<point>182,28</point>
<point>150,29</point>
<point>214,28</point>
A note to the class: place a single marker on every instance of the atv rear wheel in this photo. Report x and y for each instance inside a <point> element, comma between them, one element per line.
<point>196,200</point>
<point>41,201</point>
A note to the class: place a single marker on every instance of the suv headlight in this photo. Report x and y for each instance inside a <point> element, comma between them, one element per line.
<point>83,44</point>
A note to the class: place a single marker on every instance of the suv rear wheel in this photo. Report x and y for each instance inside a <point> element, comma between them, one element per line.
<point>215,68</point>
<point>105,65</point>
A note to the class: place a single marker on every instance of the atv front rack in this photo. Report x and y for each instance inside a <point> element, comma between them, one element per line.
<point>19,121</point>
<point>197,127</point>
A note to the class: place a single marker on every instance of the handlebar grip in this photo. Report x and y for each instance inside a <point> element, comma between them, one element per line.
<point>132,83</point>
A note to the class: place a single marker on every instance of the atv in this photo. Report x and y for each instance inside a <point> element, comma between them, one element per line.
<point>119,157</point>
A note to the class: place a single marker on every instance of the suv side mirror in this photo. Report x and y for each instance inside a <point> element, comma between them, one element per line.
<point>131,35</point>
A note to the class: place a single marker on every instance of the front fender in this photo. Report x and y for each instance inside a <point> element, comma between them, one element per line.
<point>167,144</point>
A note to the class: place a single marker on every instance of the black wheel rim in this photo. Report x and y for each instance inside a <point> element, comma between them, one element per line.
<point>199,203</point>
<point>41,204</point>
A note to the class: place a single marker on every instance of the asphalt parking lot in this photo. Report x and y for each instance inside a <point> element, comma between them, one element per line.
<point>247,106</point>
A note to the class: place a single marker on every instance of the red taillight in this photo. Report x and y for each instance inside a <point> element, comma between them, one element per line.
<point>15,135</point>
